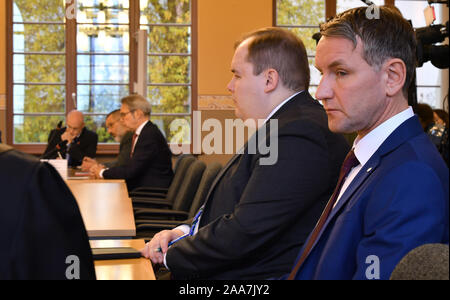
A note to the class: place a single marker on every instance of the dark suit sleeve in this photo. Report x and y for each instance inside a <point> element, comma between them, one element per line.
<point>50,230</point>
<point>405,211</point>
<point>274,196</point>
<point>146,150</point>
<point>86,146</point>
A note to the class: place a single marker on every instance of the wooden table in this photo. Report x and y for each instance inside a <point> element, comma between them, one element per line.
<point>123,269</point>
<point>105,207</point>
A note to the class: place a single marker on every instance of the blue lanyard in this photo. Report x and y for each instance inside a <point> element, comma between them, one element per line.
<point>193,226</point>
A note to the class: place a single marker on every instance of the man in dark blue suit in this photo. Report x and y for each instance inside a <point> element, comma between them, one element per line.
<point>395,198</point>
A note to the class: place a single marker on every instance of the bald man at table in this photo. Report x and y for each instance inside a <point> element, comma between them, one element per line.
<point>75,140</point>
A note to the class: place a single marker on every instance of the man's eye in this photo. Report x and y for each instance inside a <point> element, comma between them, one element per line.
<point>341,73</point>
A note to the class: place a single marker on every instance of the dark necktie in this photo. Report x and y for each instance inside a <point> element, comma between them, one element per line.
<point>132,144</point>
<point>350,162</point>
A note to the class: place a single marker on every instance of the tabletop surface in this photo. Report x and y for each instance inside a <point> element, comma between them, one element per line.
<point>105,207</point>
<point>123,269</point>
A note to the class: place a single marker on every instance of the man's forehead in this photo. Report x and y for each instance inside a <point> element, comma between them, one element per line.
<point>332,51</point>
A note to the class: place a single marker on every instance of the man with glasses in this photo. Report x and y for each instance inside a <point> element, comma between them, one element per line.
<point>150,161</point>
<point>73,142</point>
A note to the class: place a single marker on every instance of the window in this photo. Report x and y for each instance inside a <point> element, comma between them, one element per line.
<point>58,63</point>
<point>303,18</point>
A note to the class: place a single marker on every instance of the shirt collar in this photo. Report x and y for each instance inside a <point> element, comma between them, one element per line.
<point>280,105</point>
<point>139,129</point>
<point>364,148</point>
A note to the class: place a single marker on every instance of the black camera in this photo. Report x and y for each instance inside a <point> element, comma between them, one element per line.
<point>427,51</point>
<point>426,38</point>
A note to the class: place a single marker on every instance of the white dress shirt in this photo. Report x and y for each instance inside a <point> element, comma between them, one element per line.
<point>364,148</point>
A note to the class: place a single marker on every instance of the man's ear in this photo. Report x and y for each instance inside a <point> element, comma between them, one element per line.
<point>272,79</point>
<point>395,70</point>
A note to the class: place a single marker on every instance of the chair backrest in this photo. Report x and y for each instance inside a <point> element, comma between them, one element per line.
<point>427,262</point>
<point>189,186</point>
<point>210,173</point>
<point>180,172</point>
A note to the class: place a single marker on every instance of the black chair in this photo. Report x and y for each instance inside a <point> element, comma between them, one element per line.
<point>185,196</point>
<point>152,223</point>
<point>145,197</point>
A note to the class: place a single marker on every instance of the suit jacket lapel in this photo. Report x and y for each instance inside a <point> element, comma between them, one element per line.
<point>403,133</point>
<point>220,175</point>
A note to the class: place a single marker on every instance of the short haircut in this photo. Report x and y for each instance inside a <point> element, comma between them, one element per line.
<point>281,50</point>
<point>384,37</point>
<point>135,102</point>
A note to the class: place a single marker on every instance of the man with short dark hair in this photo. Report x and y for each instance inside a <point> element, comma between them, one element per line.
<point>392,194</point>
<point>257,214</point>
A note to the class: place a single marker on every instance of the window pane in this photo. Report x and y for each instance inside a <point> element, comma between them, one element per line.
<point>39,68</point>
<point>305,35</point>
<point>39,11</point>
<point>97,124</point>
<point>39,99</point>
<point>300,12</point>
<point>169,39</point>
<point>343,5</point>
<point>170,99</point>
<point>101,39</point>
<point>32,129</point>
<point>100,98</point>
<point>39,38</point>
<point>103,69</point>
<point>101,11</point>
<point>181,128</point>
<point>165,11</point>
<point>169,69</point>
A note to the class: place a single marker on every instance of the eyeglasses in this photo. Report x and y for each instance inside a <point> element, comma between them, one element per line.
<point>123,115</point>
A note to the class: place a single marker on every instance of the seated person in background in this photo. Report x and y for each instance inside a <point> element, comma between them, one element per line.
<point>427,119</point>
<point>122,135</point>
<point>150,161</point>
<point>441,118</point>
<point>41,225</point>
<point>74,140</point>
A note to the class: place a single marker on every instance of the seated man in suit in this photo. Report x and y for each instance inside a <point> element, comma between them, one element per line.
<point>393,192</point>
<point>41,226</point>
<point>122,135</point>
<point>257,215</point>
<point>150,161</point>
<point>73,142</point>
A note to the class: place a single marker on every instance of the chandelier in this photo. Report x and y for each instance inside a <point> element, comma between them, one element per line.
<point>105,20</point>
